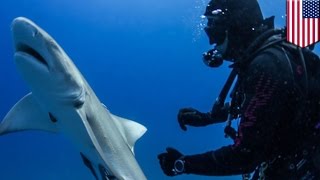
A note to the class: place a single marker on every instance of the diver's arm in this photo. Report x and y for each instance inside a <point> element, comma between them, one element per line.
<point>266,93</point>
<point>193,117</point>
<point>219,113</point>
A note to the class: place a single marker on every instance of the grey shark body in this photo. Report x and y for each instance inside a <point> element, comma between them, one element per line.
<point>61,101</point>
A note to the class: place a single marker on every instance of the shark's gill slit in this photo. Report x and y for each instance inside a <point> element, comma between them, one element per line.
<point>29,50</point>
<point>87,117</point>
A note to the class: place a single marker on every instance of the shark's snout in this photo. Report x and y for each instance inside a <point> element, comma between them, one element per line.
<point>27,40</point>
<point>39,58</point>
<point>23,28</point>
<point>22,23</point>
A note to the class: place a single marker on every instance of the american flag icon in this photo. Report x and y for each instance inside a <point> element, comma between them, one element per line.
<point>303,25</point>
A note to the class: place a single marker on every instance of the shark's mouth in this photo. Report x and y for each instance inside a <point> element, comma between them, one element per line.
<point>30,51</point>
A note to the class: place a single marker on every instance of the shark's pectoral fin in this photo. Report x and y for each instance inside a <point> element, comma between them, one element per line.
<point>130,130</point>
<point>26,115</point>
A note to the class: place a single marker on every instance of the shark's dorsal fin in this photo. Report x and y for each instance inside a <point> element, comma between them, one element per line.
<point>26,115</point>
<point>130,130</point>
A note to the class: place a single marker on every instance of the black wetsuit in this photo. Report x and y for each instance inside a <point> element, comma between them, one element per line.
<point>278,101</point>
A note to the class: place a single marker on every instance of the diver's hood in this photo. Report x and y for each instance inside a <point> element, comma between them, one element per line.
<point>234,17</point>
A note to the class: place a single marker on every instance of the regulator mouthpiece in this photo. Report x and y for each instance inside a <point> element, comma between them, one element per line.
<point>212,58</point>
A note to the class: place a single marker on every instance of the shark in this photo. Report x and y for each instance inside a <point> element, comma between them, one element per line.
<point>62,101</point>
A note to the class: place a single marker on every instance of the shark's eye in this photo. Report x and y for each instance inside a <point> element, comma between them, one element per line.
<point>27,49</point>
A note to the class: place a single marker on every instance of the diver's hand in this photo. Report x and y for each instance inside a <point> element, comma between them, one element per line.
<point>167,161</point>
<point>192,117</point>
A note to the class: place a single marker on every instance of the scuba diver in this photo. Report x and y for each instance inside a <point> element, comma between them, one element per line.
<point>276,97</point>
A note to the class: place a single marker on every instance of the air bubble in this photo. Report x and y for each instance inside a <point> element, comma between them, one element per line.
<point>217,11</point>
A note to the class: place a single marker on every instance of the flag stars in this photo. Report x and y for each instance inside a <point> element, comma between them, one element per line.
<point>310,8</point>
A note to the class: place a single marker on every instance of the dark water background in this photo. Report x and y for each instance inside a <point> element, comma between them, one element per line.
<point>142,58</point>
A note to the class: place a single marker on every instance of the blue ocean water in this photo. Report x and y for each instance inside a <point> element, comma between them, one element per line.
<point>142,58</point>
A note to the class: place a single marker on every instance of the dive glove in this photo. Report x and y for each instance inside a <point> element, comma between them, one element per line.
<point>192,117</point>
<point>171,162</point>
